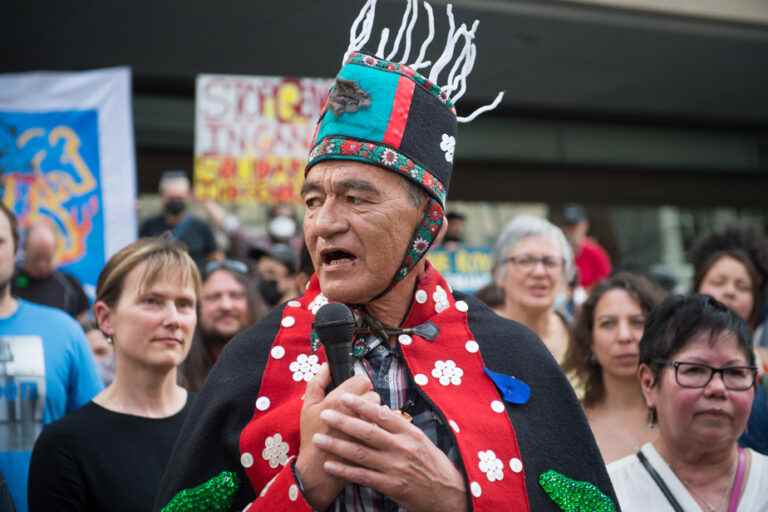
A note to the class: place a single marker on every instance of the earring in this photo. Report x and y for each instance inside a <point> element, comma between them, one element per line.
<point>110,340</point>
<point>652,418</point>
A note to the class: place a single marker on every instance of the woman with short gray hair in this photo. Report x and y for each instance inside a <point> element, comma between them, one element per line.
<point>533,263</point>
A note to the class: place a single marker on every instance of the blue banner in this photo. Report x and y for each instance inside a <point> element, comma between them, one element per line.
<point>50,169</point>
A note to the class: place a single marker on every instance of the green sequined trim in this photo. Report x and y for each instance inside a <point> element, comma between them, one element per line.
<point>215,495</point>
<point>574,496</point>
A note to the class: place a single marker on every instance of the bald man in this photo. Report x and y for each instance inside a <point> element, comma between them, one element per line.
<point>37,279</point>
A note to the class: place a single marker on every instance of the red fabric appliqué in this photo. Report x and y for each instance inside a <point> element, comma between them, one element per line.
<point>448,370</point>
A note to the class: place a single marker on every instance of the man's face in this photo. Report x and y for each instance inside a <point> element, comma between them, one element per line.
<point>7,252</point>
<point>358,222</point>
<point>174,190</point>
<point>223,305</point>
<point>39,257</point>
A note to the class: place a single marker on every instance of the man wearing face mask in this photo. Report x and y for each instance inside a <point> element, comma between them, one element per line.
<point>194,232</point>
<point>277,269</point>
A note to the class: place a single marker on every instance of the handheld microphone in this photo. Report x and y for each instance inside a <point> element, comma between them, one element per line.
<point>335,326</point>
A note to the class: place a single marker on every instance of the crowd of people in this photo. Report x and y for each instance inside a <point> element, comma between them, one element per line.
<point>666,385</point>
<point>196,379</point>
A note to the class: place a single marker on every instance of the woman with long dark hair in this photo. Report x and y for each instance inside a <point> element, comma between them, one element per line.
<point>603,360</point>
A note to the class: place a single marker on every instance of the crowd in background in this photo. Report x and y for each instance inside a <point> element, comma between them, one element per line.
<point>641,360</point>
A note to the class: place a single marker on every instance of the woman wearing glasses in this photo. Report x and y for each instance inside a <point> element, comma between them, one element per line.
<point>533,263</point>
<point>697,372</point>
<point>111,453</point>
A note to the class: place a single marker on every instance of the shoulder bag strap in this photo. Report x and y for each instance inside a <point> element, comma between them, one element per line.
<point>660,482</point>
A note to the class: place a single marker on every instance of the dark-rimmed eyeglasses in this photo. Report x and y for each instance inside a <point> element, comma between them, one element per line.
<point>232,265</point>
<point>528,262</point>
<point>698,375</point>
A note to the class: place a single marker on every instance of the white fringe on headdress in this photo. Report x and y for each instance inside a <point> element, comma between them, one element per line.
<point>456,82</point>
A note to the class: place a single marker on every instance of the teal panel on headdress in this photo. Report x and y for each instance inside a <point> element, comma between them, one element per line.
<point>368,123</point>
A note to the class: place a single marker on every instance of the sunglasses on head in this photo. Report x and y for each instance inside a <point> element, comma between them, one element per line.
<point>232,265</point>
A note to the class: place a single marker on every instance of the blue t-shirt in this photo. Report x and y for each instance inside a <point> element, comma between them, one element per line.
<point>46,371</point>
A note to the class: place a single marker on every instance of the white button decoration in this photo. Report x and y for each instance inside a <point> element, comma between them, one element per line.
<point>476,489</point>
<point>472,346</point>
<point>515,464</point>
<point>491,465</point>
<point>246,459</point>
<point>294,304</point>
<point>497,406</point>
<point>304,367</point>
<point>448,145</point>
<point>262,403</point>
<point>293,492</point>
<point>454,426</point>
<point>421,296</point>
<point>405,339</point>
<point>420,379</point>
<point>319,301</point>
<point>278,352</point>
<point>441,299</point>
<point>288,321</point>
<point>446,372</point>
<point>462,306</point>
<point>275,451</point>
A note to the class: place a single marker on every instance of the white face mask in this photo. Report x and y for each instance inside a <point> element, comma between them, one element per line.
<point>282,227</point>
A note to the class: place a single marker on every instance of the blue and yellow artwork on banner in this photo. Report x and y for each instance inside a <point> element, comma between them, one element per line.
<point>50,173</point>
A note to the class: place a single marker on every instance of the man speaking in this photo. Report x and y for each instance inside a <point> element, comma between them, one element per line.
<point>452,408</point>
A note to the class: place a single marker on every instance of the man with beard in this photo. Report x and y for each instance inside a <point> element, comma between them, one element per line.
<point>46,368</point>
<point>451,408</point>
<point>228,305</point>
<point>194,232</point>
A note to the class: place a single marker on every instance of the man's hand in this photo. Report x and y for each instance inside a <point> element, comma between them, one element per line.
<point>383,451</point>
<point>320,487</point>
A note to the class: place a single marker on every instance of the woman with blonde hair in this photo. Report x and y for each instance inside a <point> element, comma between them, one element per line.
<point>111,453</point>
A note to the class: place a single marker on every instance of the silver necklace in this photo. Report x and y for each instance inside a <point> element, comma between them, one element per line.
<point>709,506</point>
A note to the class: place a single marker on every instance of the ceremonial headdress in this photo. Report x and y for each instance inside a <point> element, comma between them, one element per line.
<point>383,111</point>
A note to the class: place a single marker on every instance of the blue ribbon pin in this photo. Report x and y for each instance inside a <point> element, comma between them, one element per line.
<point>512,389</point>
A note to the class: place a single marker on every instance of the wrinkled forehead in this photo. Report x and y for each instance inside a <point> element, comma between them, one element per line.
<point>341,175</point>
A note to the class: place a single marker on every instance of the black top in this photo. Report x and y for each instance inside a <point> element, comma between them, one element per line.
<point>194,232</point>
<point>59,290</point>
<point>551,428</point>
<point>96,459</point>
